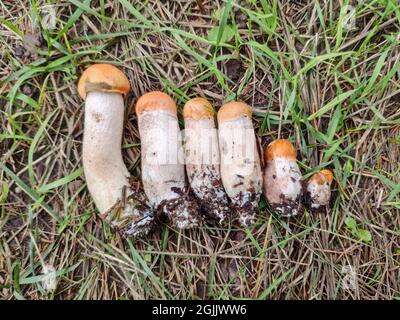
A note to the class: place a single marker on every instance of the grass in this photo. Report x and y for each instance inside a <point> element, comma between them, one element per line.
<point>315,72</point>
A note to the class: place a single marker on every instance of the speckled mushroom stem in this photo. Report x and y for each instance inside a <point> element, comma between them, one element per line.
<point>318,192</point>
<point>283,182</point>
<point>202,158</point>
<point>108,180</point>
<point>240,162</point>
<point>163,171</point>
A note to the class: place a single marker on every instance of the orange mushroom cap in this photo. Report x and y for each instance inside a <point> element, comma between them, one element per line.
<point>322,177</point>
<point>198,108</point>
<point>156,100</point>
<point>234,110</point>
<point>280,148</point>
<point>104,78</point>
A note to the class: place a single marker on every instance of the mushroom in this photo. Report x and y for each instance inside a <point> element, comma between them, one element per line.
<point>202,158</point>
<point>240,161</point>
<point>163,171</point>
<point>319,190</point>
<point>103,86</point>
<point>283,185</point>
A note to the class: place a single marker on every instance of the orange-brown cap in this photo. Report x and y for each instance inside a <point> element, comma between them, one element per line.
<point>198,108</point>
<point>322,177</point>
<point>281,148</point>
<point>104,78</point>
<point>233,110</point>
<point>156,100</point>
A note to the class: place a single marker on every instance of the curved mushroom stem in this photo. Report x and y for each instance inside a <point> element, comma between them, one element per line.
<point>163,171</point>
<point>106,174</point>
<point>240,161</point>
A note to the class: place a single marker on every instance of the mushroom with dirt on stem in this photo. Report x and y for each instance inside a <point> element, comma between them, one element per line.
<point>283,182</point>
<point>163,170</point>
<point>103,87</point>
<point>318,192</point>
<point>202,158</point>
<point>240,161</point>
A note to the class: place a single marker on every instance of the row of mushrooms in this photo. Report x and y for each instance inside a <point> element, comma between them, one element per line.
<point>223,166</point>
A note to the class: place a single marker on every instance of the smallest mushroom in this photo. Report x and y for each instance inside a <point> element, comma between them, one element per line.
<point>319,190</point>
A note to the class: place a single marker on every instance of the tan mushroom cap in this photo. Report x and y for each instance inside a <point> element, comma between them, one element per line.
<point>280,148</point>
<point>198,108</point>
<point>233,110</point>
<point>323,176</point>
<point>104,78</point>
<point>156,100</point>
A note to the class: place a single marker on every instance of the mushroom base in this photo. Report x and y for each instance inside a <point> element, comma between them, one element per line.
<point>138,228</point>
<point>317,196</point>
<point>246,204</point>
<point>288,208</point>
<point>214,207</point>
<point>131,217</point>
<point>211,197</point>
<point>313,205</point>
<point>181,211</point>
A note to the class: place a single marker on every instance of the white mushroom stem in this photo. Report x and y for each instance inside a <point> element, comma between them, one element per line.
<point>163,171</point>
<point>284,177</point>
<point>105,172</point>
<point>240,162</point>
<point>318,193</point>
<point>203,166</point>
<point>283,182</point>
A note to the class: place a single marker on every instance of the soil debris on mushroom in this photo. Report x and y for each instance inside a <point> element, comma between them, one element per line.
<point>202,159</point>
<point>163,170</point>
<point>240,161</point>
<point>318,193</point>
<point>283,182</point>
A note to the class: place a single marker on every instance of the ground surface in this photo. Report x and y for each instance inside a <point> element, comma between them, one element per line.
<point>321,74</point>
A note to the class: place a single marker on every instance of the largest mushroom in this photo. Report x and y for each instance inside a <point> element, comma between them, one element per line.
<point>103,88</point>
